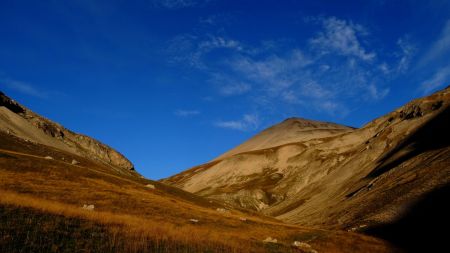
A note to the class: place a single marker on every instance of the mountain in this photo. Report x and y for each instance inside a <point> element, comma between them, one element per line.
<point>330,176</point>
<point>289,131</point>
<point>65,192</point>
<point>20,121</point>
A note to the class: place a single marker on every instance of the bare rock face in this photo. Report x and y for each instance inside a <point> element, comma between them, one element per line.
<point>24,123</point>
<point>322,174</point>
<point>10,104</point>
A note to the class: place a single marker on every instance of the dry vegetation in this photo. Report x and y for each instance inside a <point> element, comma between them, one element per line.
<point>41,211</point>
<point>32,224</point>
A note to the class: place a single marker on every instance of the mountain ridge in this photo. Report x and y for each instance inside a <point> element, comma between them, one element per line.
<point>18,120</point>
<point>328,181</point>
<point>293,129</point>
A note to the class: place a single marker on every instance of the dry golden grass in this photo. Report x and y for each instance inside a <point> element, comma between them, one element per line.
<point>46,196</point>
<point>139,233</point>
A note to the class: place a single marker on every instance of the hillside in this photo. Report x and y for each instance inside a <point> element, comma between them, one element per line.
<point>17,120</point>
<point>49,203</point>
<point>289,131</point>
<point>354,179</point>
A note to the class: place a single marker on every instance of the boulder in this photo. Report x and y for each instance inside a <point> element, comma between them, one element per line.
<point>304,247</point>
<point>88,207</point>
<point>150,186</point>
<point>270,240</point>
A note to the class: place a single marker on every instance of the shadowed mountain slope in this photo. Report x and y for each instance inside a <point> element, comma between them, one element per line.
<point>348,179</point>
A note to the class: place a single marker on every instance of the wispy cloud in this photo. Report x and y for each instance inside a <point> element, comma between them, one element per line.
<point>341,36</point>
<point>249,122</point>
<point>192,50</point>
<point>218,19</point>
<point>332,71</point>
<point>439,79</point>
<point>186,113</point>
<point>215,42</point>
<point>234,88</point>
<point>23,87</point>
<point>407,52</point>
<point>440,48</point>
<point>274,72</point>
<point>332,108</point>
<point>229,86</point>
<point>376,92</point>
<point>178,4</point>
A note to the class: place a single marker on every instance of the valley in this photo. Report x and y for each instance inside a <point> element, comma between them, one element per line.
<point>332,188</point>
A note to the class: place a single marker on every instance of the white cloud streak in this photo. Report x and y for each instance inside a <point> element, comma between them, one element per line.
<point>186,113</point>
<point>177,4</point>
<point>440,48</point>
<point>192,50</point>
<point>376,92</point>
<point>23,87</point>
<point>219,42</point>
<point>249,122</point>
<point>234,89</point>
<point>439,79</point>
<point>407,52</point>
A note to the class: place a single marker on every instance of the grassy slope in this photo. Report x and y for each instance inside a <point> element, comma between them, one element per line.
<point>41,200</point>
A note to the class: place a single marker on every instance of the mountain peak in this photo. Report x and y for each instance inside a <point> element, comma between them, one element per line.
<point>323,174</point>
<point>302,122</point>
<point>290,130</point>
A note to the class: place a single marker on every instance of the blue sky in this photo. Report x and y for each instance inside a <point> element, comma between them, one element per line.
<point>174,83</point>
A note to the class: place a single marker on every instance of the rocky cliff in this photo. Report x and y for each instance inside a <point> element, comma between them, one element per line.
<point>17,120</point>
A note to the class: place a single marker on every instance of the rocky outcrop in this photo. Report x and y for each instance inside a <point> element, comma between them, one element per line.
<point>10,104</point>
<point>23,122</point>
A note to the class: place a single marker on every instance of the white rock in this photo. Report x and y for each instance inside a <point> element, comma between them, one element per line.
<point>150,186</point>
<point>193,220</point>
<point>262,206</point>
<point>88,207</point>
<point>75,162</point>
<point>302,245</point>
<point>48,158</point>
<point>270,240</point>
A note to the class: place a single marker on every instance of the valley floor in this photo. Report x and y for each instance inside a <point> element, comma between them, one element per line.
<point>41,210</point>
